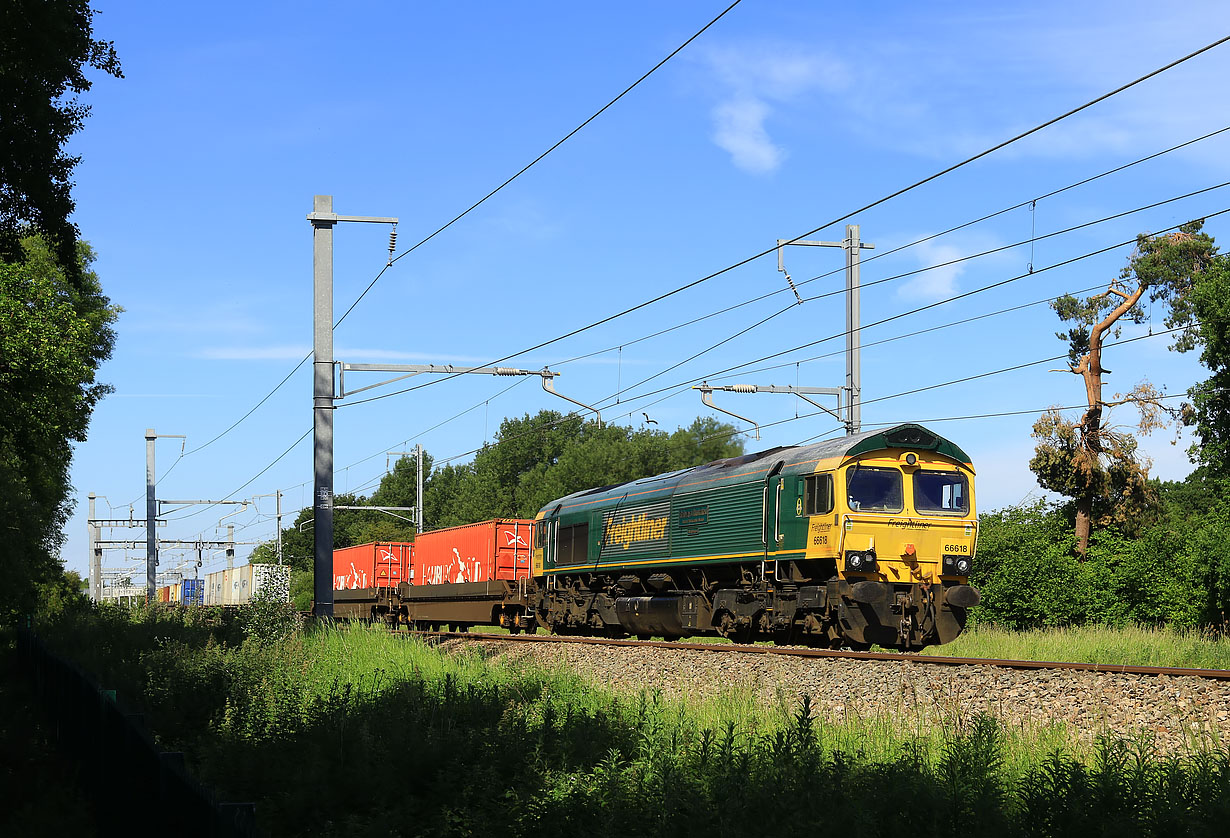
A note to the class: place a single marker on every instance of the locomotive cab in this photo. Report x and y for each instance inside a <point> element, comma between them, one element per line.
<point>899,525</point>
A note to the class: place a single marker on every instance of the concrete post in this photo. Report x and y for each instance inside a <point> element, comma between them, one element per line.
<point>95,555</point>
<point>322,403</point>
<point>151,516</point>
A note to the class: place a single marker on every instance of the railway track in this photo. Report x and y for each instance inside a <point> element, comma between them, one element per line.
<point>805,652</point>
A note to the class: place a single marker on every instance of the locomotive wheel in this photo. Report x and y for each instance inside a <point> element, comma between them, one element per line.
<point>741,635</point>
<point>733,631</point>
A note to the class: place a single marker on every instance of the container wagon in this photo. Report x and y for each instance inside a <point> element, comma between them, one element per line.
<point>240,585</point>
<point>475,574</point>
<point>366,579</point>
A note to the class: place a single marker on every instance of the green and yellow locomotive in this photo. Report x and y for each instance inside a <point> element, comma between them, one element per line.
<point>864,539</point>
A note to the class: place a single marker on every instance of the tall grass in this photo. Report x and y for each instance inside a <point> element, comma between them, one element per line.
<point>360,732</point>
<point>1129,645</point>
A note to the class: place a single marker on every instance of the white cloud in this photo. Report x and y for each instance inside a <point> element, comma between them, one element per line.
<point>918,95</point>
<point>750,79</point>
<point>739,129</point>
<point>938,283</point>
<point>284,352</point>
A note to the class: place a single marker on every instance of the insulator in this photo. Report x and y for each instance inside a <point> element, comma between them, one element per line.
<point>507,371</point>
<point>794,289</point>
<point>743,388</point>
<point>392,240</point>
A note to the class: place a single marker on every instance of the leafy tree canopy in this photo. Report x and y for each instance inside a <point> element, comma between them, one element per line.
<point>45,46</point>
<point>1088,459</point>
<point>54,333</point>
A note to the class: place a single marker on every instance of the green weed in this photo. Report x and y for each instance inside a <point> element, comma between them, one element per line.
<point>344,731</point>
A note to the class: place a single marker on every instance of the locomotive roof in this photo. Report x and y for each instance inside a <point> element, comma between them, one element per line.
<point>906,435</point>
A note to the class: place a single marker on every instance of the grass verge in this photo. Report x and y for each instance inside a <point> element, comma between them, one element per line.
<point>338,732</point>
<point>1127,645</point>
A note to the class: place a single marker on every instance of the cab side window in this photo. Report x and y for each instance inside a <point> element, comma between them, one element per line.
<point>573,544</point>
<point>818,494</point>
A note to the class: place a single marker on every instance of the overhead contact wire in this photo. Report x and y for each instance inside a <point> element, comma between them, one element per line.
<point>844,217</point>
<point>533,162</point>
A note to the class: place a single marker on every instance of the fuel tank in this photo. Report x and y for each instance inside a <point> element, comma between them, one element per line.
<point>669,615</point>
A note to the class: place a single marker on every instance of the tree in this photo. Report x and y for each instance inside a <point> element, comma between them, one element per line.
<point>1087,459</point>
<point>54,333</point>
<point>1201,308</point>
<point>45,46</point>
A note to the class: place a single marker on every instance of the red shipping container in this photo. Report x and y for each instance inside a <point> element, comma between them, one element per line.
<point>376,565</point>
<point>482,552</point>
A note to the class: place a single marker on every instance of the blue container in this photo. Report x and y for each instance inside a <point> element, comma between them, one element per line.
<point>194,592</point>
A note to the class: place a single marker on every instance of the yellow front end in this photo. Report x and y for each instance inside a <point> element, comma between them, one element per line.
<point>901,530</point>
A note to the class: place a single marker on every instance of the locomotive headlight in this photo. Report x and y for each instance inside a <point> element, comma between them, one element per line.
<point>861,561</point>
<point>959,565</point>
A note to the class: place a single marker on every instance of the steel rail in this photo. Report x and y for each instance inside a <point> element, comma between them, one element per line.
<point>804,652</point>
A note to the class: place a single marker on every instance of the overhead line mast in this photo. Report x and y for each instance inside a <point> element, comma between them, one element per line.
<point>323,218</point>
<point>853,247</point>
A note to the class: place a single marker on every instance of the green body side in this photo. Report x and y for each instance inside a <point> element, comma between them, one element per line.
<point>714,513</point>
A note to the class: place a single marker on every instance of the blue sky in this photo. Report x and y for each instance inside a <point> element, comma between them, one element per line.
<point>199,167</point>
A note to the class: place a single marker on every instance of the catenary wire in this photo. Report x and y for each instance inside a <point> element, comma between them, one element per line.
<point>683,388</point>
<point>898,395</point>
<point>882,254</point>
<point>936,304</point>
<point>680,388</point>
<point>249,482</point>
<point>880,322</point>
<point>677,387</point>
<point>530,165</point>
<point>467,211</point>
<point>871,205</point>
<point>949,263</point>
<point>848,215</point>
<point>875,203</point>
